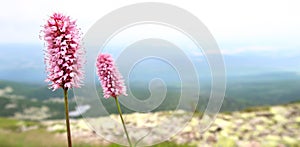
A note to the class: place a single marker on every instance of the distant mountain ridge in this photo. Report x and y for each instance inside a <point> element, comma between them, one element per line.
<point>25,63</point>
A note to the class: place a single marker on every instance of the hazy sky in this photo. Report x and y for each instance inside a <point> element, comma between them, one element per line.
<point>267,29</point>
<point>256,26</point>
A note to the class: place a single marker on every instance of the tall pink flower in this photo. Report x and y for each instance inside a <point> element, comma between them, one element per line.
<point>63,56</point>
<point>110,78</point>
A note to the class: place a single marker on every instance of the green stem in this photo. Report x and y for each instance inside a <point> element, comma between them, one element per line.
<point>67,117</point>
<point>124,126</point>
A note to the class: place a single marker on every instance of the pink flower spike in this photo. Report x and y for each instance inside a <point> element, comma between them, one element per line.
<point>63,54</point>
<point>110,78</point>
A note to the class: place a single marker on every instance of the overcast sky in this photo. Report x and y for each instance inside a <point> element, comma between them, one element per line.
<point>259,26</point>
<point>267,29</point>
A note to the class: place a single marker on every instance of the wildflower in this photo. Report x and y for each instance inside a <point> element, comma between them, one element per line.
<point>63,57</point>
<point>112,83</point>
<point>110,78</point>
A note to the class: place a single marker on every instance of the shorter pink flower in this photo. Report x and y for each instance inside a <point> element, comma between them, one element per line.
<point>110,78</point>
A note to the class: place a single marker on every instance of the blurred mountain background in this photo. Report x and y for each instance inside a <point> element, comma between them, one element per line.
<point>252,80</point>
<point>259,41</point>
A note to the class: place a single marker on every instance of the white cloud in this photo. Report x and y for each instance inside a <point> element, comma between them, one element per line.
<point>251,49</point>
<point>231,20</point>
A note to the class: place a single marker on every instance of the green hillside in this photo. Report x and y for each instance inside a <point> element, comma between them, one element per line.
<point>32,91</point>
<point>241,93</point>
